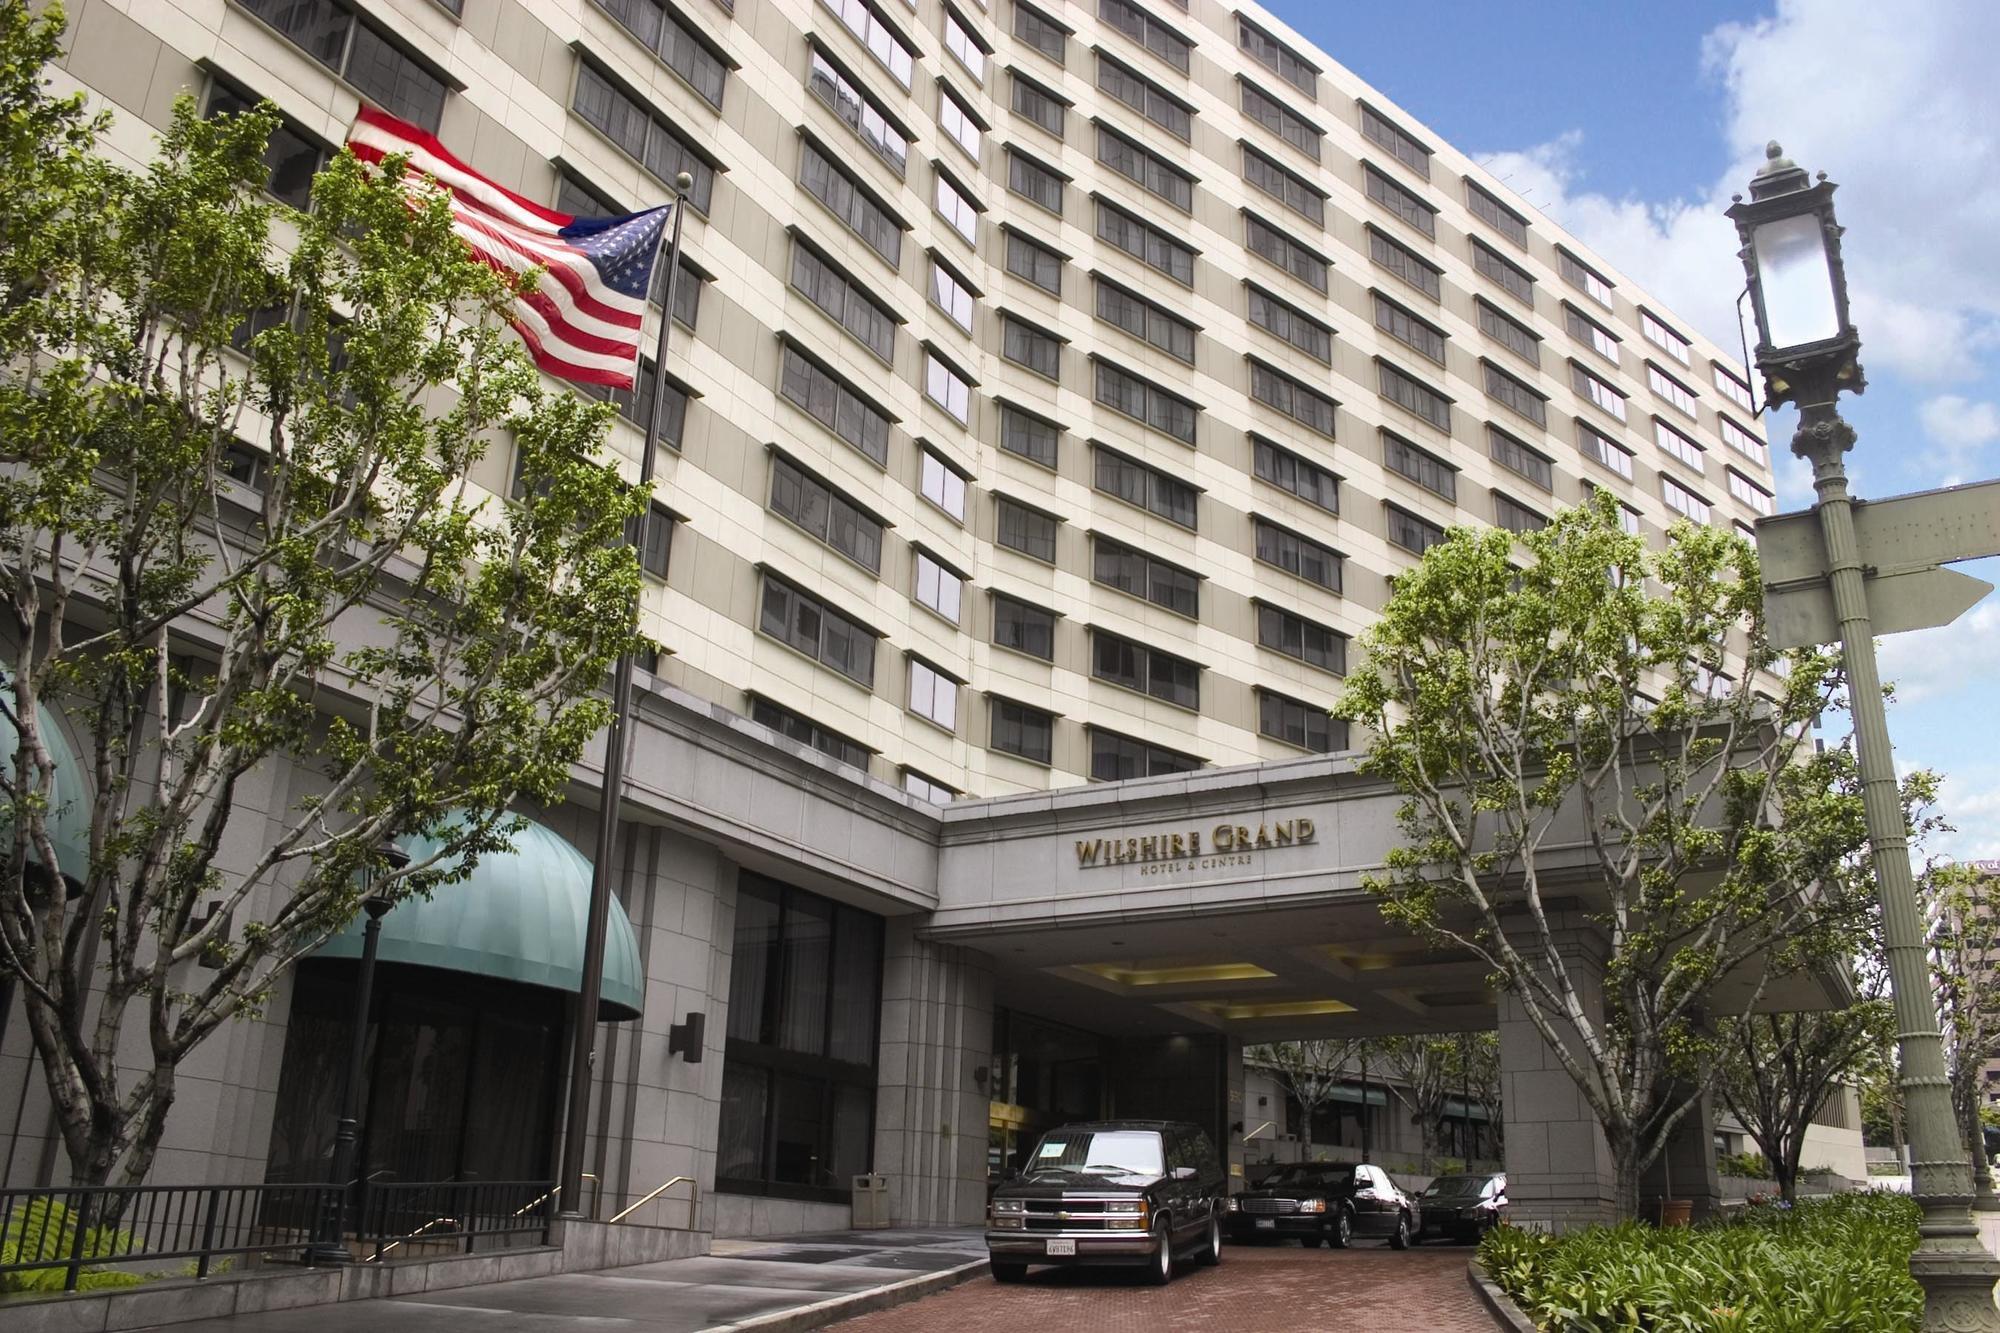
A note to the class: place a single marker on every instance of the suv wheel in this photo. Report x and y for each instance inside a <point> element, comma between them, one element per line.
<point>1401,1240</point>
<point>1343,1229</point>
<point>1210,1252</point>
<point>1007,1272</point>
<point>1161,1271</point>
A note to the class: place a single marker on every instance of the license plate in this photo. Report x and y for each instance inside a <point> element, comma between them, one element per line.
<point>1062,1247</point>
<point>1266,1224</point>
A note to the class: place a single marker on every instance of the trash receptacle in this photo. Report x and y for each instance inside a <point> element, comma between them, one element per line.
<point>871,1202</point>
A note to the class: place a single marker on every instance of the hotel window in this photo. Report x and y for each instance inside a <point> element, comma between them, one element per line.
<point>876,33</point>
<point>1115,758</point>
<point>1516,281</point>
<point>794,616</point>
<point>291,158</point>
<point>1427,470</point>
<point>809,733</point>
<point>1035,103</point>
<point>1034,261</point>
<point>1509,332</point>
<point>957,208</point>
<point>1290,472</point>
<point>1132,571</point>
<point>1683,501</point>
<point>1403,203</point>
<point>927,789</point>
<point>643,136</point>
<point>1303,404</point>
<point>1024,628</point>
<point>933,695</point>
<point>1405,263</point>
<point>1034,182</point>
<point>1019,729</point>
<point>1296,722</point>
<point>1146,169</point>
<point>1287,187</point>
<point>950,294</point>
<point>1514,516</point>
<point>1665,338</point>
<point>1306,640</point>
<point>1297,259</point>
<point>843,300</point>
<point>1597,391</point>
<point>1298,555</point>
<point>1750,493</point>
<point>1031,348</point>
<point>1149,245</point>
<point>1378,129</point>
<point>1420,336</point>
<point>636,404</point>
<point>1028,435</point>
<point>863,115</point>
<point>1584,278</point>
<point>1148,488</point>
<point>1144,96</point>
<point>941,483</point>
<point>1029,531</point>
<point>1267,50</point>
<point>1413,395</point>
<point>1149,32</point>
<point>1411,532</point>
<point>658,550</point>
<point>1122,391</point>
<point>829,183</point>
<point>1295,326</point>
<point>946,385</point>
<point>1742,441</point>
<point>1671,389</point>
<point>1735,390</point>
<point>1145,320</point>
<point>834,405</point>
<point>354,48</point>
<point>1519,459</point>
<point>1488,209</point>
<point>824,513</point>
<point>1281,120</point>
<point>1041,32</point>
<point>964,46</point>
<point>1117,660</point>
<point>957,122</point>
<point>1589,332</point>
<point>798,1084</point>
<point>662,32</point>
<point>1601,449</point>
<point>1679,445</point>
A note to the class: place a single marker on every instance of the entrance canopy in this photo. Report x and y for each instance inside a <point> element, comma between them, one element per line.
<point>519,916</point>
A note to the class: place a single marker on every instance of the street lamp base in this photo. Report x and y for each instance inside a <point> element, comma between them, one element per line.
<point>1958,1275</point>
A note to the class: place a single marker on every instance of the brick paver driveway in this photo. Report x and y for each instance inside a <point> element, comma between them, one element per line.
<point>1258,1287</point>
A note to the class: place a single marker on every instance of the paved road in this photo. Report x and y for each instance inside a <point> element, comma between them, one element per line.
<point>1257,1287</point>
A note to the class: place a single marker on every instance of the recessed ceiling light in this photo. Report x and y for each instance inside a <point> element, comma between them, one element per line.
<point>1279,1009</point>
<point>1176,976</point>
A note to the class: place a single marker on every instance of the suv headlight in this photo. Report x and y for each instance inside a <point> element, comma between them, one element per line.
<point>1015,1206</point>
<point>1010,1214</point>
<point>1312,1205</point>
<point>1232,1205</point>
<point>1125,1215</point>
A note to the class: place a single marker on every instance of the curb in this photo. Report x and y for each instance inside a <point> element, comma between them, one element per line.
<point>1505,1313</point>
<point>821,1313</point>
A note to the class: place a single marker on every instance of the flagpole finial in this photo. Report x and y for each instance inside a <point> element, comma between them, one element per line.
<point>683,183</point>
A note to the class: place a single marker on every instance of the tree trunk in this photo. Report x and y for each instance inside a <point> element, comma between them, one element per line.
<point>1787,1173</point>
<point>1625,1175</point>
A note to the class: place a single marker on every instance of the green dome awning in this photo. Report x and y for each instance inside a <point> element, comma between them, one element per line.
<point>69,808</point>
<point>519,916</point>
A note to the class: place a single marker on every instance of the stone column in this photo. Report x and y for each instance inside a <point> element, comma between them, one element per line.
<point>930,1111</point>
<point>1686,1166</point>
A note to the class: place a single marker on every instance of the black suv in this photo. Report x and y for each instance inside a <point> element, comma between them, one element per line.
<point>1464,1207</point>
<point>1322,1201</point>
<point>1129,1192</point>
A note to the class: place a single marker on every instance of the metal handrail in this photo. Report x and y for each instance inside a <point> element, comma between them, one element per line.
<point>558,1189</point>
<point>694,1200</point>
<point>377,1258</point>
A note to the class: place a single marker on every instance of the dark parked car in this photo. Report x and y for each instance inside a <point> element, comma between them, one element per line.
<point>1126,1192</point>
<point>1322,1201</point>
<point>1463,1207</point>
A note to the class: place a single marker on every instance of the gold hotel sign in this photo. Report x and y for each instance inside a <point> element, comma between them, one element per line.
<point>1168,852</point>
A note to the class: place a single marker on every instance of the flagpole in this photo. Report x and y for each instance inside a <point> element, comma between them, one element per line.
<point>583,1040</point>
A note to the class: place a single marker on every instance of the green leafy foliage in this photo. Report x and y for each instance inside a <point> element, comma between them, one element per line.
<point>45,1229</point>
<point>1835,1265</point>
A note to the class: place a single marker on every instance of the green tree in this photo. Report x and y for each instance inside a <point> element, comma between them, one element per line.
<point>1575,760</point>
<point>1964,919</point>
<point>355,608</point>
<point>1425,1070</point>
<point>1311,1071</point>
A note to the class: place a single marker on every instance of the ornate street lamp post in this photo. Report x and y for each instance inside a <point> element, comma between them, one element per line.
<point>328,1248</point>
<point>1809,352</point>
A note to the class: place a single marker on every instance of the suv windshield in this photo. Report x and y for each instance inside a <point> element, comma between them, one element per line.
<point>1453,1186</point>
<point>1128,1152</point>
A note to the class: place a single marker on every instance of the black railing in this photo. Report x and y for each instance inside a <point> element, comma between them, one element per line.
<point>67,1233</point>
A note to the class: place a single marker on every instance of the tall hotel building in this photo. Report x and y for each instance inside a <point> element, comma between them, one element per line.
<point>1055,390</point>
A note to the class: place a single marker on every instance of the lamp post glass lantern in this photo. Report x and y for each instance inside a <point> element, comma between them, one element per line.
<point>1809,353</point>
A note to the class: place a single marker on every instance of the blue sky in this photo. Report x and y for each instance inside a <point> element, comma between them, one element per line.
<point>1632,126</point>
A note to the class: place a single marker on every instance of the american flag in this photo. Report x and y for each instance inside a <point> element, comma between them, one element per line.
<point>582,321</point>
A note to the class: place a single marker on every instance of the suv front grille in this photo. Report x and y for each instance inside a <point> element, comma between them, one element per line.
<point>1067,1214</point>
<point>1270,1205</point>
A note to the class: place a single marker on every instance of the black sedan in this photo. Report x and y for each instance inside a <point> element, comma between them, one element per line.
<point>1463,1207</point>
<point>1327,1202</point>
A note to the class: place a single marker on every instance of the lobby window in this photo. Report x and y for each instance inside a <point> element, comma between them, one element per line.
<point>1742,441</point>
<point>1680,446</point>
<point>1149,245</point>
<point>1029,436</point>
<point>1413,395</point>
<point>1149,488</point>
<point>1509,332</point>
<point>1132,571</point>
<point>926,788</point>
<point>1671,389</point>
<point>1379,129</point>
<point>1519,459</point>
<point>1417,334</point>
<point>1297,555</point>
<point>933,695</point>
<point>798,727</point>
<point>1602,450</point>
<point>1031,348</point>
<point>1282,319</point>
<point>1041,32</point>
<point>1406,264</point>
<point>1490,264</point>
<point>939,587</point>
<point>794,616</point>
<point>1404,203</point>
<point>1120,661</point>
<point>1022,730</point>
<point>957,122</point>
<point>1029,531</point>
<point>1268,51</point>
<point>1114,758</point>
<point>1296,722</point>
<point>863,114</point>
<point>1122,391</point>
<point>1683,501</point>
<point>1281,120</point>
<point>1038,184</point>
<point>1590,333</point>
<point>1146,169</point>
<point>1024,628</point>
<point>1286,186</point>
<point>1488,209</point>
<point>824,513</point>
<point>950,294</point>
<point>1598,391</point>
<point>1295,399</point>
<point>1584,278</point>
<point>1657,333</point>
<point>1145,320</point>
<point>1030,259</point>
<point>1306,640</point>
<point>843,299</point>
<point>291,158</point>
<point>1144,96</point>
<point>798,1087</point>
<point>1427,470</point>
<point>834,405</point>
<point>941,483</point>
<point>965,48</point>
<point>1036,104</point>
<point>1516,396</point>
<point>1128,18</point>
<point>1514,516</point>
<point>946,385</point>
<point>1735,390</point>
<point>1291,472</point>
<point>662,32</point>
<point>644,136</point>
<point>830,183</point>
<point>877,34</point>
<point>955,206</point>
<point>354,48</point>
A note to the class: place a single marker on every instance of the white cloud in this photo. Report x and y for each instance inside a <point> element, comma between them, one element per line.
<point>1960,429</point>
<point>1930,663</point>
<point>1972,807</point>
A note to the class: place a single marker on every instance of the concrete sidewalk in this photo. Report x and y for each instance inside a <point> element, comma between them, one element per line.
<point>772,1286</point>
